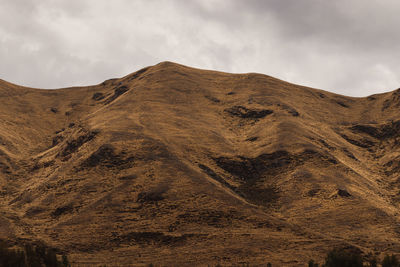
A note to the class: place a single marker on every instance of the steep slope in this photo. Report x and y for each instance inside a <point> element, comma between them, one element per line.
<point>177,165</point>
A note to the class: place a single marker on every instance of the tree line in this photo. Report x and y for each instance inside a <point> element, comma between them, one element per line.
<point>30,256</point>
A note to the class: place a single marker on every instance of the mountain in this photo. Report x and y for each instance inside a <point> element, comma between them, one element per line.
<point>179,166</point>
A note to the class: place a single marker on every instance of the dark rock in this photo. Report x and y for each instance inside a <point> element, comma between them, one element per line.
<point>290,110</point>
<point>109,81</point>
<point>215,176</point>
<point>245,113</point>
<point>349,154</point>
<point>313,192</point>
<point>341,103</point>
<point>325,144</point>
<point>62,210</point>
<point>54,110</point>
<point>213,99</point>
<point>72,146</point>
<point>343,193</point>
<point>392,167</point>
<point>98,96</point>
<point>48,163</point>
<point>120,90</point>
<point>364,143</point>
<point>117,92</point>
<point>59,131</point>
<point>39,165</point>
<point>5,168</point>
<point>57,139</point>
<point>386,104</point>
<point>138,73</point>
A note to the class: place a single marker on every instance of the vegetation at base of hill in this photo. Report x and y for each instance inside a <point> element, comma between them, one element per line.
<point>390,261</point>
<point>354,258</point>
<point>38,256</point>
<point>346,257</point>
<point>30,256</point>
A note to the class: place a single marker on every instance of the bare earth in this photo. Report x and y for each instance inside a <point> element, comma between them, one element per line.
<point>178,166</point>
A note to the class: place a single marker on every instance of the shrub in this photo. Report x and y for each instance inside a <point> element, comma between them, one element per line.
<point>373,262</point>
<point>343,258</point>
<point>9,257</point>
<point>30,255</point>
<point>390,261</point>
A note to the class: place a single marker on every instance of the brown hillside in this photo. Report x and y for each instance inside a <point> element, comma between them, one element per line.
<point>179,166</point>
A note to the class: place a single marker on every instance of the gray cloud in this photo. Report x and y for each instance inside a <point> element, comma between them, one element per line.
<point>346,46</point>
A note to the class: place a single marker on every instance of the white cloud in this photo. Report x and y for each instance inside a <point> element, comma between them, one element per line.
<point>350,47</point>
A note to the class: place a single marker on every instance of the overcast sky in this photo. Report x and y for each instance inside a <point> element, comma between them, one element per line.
<point>345,46</point>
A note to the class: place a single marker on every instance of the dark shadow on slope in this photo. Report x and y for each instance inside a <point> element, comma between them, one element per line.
<point>256,174</point>
<point>154,194</point>
<point>5,163</point>
<point>214,218</point>
<point>380,132</point>
<point>105,156</point>
<point>62,210</point>
<point>363,142</point>
<point>215,176</point>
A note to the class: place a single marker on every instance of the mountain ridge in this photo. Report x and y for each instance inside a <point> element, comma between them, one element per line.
<point>181,165</point>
